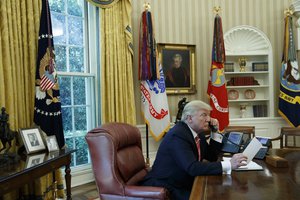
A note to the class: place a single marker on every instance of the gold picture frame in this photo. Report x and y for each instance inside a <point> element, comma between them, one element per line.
<point>178,63</point>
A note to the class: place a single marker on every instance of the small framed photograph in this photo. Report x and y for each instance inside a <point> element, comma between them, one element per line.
<point>260,66</point>
<point>52,143</point>
<point>35,160</point>
<point>178,63</point>
<point>32,140</point>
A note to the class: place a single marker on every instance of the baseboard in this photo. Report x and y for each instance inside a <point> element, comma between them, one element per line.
<point>82,175</point>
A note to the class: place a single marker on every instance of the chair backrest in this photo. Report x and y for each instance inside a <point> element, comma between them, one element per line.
<point>289,137</point>
<point>248,131</point>
<point>118,162</point>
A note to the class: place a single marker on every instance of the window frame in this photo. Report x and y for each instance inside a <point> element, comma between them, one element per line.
<point>92,70</point>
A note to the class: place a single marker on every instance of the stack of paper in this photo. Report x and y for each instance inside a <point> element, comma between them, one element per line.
<point>250,166</point>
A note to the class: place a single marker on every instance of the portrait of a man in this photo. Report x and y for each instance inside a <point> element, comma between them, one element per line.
<point>33,139</point>
<point>177,75</point>
<point>178,64</point>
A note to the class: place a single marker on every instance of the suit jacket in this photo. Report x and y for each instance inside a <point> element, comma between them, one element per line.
<point>176,162</point>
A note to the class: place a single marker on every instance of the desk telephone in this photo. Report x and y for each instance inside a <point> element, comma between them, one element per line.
<point>233,143</point>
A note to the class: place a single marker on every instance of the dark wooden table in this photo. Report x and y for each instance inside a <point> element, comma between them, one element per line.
<point>270,183</point>
<point>15,175</point>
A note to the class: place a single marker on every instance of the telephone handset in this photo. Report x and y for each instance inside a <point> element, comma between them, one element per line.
<point>212,127</point>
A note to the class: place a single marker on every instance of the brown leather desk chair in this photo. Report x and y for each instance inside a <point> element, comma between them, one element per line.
<point>288,137</point>
<point>248,131</point>
<point>118,163</point>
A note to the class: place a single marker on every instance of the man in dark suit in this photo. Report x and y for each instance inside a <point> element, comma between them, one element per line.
<point>177,161</point>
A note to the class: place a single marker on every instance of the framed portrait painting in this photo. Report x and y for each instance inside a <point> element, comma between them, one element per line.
<point>178,63</point>
<point>32,140</point>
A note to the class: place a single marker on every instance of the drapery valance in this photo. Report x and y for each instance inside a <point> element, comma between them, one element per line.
<point>103,3</point>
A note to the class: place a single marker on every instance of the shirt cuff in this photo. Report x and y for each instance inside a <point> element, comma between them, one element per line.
<point>226,167</point>
<point>216,137</point>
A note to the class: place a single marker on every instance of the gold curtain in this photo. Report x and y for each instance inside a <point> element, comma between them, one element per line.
<point>117,91</point>
<point>19,23</point>
<point>19,27</point>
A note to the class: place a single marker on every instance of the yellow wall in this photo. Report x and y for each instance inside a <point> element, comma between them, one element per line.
<point>191,22</point>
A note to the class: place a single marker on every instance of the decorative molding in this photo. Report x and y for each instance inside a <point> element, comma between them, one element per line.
<point>295,7</point>
<point>82,175</point>
<point>244,40</point>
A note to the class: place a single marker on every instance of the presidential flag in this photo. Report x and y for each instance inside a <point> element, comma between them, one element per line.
<point>289,94</point>
<point>155,106</point>
<point>216,89</point>
<point>47,110</point>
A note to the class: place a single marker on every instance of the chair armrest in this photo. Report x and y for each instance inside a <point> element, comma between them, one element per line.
<point>146,192</point>
<point>276,138</point>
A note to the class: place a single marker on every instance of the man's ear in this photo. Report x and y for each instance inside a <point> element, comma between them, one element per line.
<point>189,118</point>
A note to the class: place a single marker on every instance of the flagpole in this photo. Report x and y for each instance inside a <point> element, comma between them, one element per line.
<point>147,147</point>
<point>154,98</point>
<point>147,8</point>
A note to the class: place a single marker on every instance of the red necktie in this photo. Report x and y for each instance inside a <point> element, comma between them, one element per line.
<point>197,139</point>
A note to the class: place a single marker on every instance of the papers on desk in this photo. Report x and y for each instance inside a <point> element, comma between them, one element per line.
<point>251,150</point>
<point>250,166</point>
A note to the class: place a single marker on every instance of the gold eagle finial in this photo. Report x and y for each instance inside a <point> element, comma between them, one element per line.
<point>288,12</point>
<point>217,9</point>
<point>147,6</point>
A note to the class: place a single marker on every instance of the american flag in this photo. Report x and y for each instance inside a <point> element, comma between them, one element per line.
<point>47,81</point>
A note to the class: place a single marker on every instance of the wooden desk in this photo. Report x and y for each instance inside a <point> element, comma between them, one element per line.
<point>14,176</point>
<point>270,183</point>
